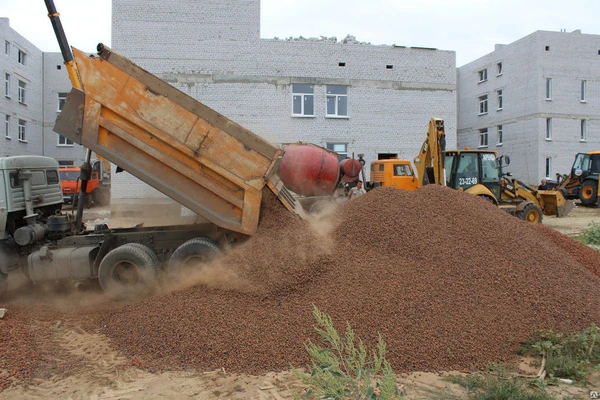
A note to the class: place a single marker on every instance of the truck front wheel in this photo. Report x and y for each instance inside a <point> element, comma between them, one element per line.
<point>588,193</point>
<point>128,271</point>
<point>193,254</point>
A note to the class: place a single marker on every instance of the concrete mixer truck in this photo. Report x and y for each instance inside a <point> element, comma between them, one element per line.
<point>189,152</point>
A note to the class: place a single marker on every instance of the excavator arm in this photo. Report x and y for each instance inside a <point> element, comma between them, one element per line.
<point>429,163</point>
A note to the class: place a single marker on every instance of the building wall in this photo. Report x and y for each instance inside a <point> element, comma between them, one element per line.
<point>565,58</point>
<point>56,80</point>
<point>43,80</point>
<point>30,110</point>
<point>393,91</point>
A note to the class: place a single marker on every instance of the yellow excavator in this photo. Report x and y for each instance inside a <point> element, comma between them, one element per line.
<point>480,172</point>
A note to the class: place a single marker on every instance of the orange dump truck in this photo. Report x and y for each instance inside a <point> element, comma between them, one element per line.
<point>97,190</point>
<point>179,146</point>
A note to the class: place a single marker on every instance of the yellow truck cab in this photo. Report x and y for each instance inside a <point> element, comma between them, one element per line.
<point>392,172</point>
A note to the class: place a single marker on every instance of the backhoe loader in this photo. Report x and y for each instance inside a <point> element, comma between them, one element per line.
<point>582,182</point>
<point>480,172</point>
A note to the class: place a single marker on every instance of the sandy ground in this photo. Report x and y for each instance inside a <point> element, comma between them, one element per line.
<point>106,374</point>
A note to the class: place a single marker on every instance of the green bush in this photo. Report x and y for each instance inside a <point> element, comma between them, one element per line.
<point>572,356</point>
<point>498,388</point>
<point>591,234</point>
<point>343,369</point>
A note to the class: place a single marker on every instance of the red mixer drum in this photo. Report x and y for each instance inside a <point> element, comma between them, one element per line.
<point>309,170</point>
<point>350,170</point>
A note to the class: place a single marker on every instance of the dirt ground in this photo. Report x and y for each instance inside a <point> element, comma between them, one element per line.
<point>106,374</point>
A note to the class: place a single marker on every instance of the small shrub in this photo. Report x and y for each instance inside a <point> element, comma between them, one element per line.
<point>342,369</point>
<point>591,234</point>
<point>571,356</point>
<point>499,388</point>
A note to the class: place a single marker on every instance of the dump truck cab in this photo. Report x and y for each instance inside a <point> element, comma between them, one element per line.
<point>29,192</point>
<point>98,186</point>
<point>392,172</point>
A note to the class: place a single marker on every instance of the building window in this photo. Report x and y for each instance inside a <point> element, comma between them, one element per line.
<point>583,130</point>
<point>499,93</point>
<point>22,130</point>
<point>483,104</point>
<point>21,94</point>
<point>548,89</point>
<point>7,47</point>
<point>62,97</point>
<point>499,69</point>
<point>21,57</point>
<point>500,134</point>
<point>7,85</point>
<point>7,127</point>
<point>548,128</point>
<point>583,84</point>
<point>303,100</point>
<point>483,75</point>
<point>63,141</point>
<point>548,167</point>
<point>337,101</point>
<point>483,138</point>
<point>340,148</point>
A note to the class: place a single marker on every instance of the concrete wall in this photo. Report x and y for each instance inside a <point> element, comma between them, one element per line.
<point>393,92</point>
<point>56,80</point>
<point>31,110</point>
<point>43,80</point>
<point>565,58</point>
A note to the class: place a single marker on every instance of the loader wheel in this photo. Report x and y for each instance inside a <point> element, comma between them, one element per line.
<point>192,255</point>
<point>128,271</point>
<point>531,213</point>
<point>588,193</point>
<point>3,284</point>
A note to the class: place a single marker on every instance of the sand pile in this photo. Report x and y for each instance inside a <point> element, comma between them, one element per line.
<point>449,281</point>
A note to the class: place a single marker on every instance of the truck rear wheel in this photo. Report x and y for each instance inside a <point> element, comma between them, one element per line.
<point>192,255</point>
<point>128,271</point>
<point>531,213</point>
<point>588,193</point>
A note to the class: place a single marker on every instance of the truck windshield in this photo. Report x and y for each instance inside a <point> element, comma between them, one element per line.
<point>69,175</point>
<point>582,162</point>
<point>489,168</point>
<point>467,170</point>
<point>402,170</point>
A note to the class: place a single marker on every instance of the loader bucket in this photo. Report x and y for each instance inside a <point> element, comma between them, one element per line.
<point>554,203</point>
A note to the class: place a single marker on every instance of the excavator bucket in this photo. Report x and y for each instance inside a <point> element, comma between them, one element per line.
<point>554,203</point>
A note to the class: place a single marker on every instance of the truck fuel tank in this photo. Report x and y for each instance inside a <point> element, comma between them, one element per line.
<point>67,263</point>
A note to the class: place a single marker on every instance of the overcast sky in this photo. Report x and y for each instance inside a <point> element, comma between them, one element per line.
<point>469,27</point>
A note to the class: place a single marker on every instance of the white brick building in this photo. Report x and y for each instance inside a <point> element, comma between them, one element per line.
<point>29,104</point>
<point>212,50</point>
<point>536,100</point>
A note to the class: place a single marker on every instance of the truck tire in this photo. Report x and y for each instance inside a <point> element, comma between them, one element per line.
<point>128,271</point>
<point>192,255</point>
<point>148,251</point>
<point>588,192</point>
<point>531,213</point>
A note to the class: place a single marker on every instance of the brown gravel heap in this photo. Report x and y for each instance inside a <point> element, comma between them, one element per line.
<point>451,283</point>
